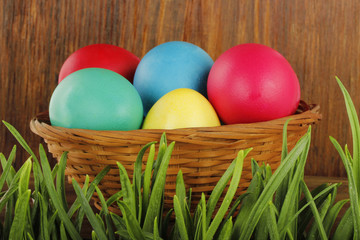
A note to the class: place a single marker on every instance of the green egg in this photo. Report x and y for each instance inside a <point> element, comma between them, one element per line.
<point>97,99</point>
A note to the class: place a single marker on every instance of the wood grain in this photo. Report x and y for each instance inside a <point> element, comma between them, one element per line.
<point>320,39</point>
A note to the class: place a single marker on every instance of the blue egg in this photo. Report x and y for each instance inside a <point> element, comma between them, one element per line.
<point>170,66</point>
<point>97,99</point>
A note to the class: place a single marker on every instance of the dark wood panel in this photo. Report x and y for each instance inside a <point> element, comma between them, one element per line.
<point>320,39</point>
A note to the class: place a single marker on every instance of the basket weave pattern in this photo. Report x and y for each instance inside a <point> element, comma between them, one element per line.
<point>203,154</point>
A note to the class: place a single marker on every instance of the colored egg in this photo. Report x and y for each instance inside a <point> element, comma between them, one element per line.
<point>97,99</point>
<point>181,108</point>
<point>106,56</point>
<point>169,66</point>
<point>252,83</point>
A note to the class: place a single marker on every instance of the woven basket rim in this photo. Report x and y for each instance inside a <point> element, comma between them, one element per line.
<point>305,114</point>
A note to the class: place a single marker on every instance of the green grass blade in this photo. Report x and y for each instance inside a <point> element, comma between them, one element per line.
<point>290,202</point>
<point>165,223</point>
<point>11,158</point>
<point>19,222</point>
<point>180,221</point>
<point>132,225</point>
<point>157,191</point>
<point>63,235</point>
<point>126,187</point>
<point>21,140</point>
<point>319,196</point>
<point>354,196</point>
<point>271,222</point>
<point>119,222</point>
<point>160,156</point>
<point>306,215</point>
<point>225,233</point>
<point>5,172</point>
<point>51,222</point>
<point>105,211</point>
<point>345,228</point>
<point>55,197</point>
<point>25,177</point>
<point>253,192</point>
<point>156,230</point>
<point>100,232</point>
<point>44,224</point>
<point>229,195</point>
<point>7,196</point>
<point>137,175</point>
<point>60,180</point>
<point>217,192</point>
<point>272,186</point>
<point>332,215</point>
<point>355,130</point>
<point>147,177</point>
<point>314,209</point>
<point>90,191</point>
<point>180,190</point>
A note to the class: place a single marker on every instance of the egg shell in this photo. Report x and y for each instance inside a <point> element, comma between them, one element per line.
<point>97,99</point>
<point>181,108</point>
<point>169,66</point>
<point>101,55</point>
<point>252,83</point>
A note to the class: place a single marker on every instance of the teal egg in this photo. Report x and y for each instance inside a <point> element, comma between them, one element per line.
<point>97,99</point>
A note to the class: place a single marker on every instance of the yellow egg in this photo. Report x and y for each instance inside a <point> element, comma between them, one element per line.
<point>181,108</point>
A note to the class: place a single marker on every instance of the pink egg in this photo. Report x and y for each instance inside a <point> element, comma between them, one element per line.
<point>252,83</point>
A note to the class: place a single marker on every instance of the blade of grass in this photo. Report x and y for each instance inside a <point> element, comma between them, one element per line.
<point>132,225</point>
<point>137,180</point>
<point>157,191</point>
<point>229,194</point>
<point>225,233</point>
<point>6,171</point>
<point>306,215</point>
<point>128,193</point>
<point>55,197</point>
<point>88,211</point>
<point>345,228</point>
<point>19,222</point>
<point>7,196</point>
<point>147,177</point>
<point>60,180</point>
<point>156,230</point>
<point>354,197</point>
<point>12,171</point>
<point>314,209</point>
<point>272,185</point>
<point>21,140</point>
<point>290,201</point>
<point>25,177</point>
<point>180,221</point>
<point>219,188</point>
<point>90,191</point>
<point>355,130</point>
<point>159,158</point>
<point>105,212</point>
<point>44,225</point>
<point>332,215</point>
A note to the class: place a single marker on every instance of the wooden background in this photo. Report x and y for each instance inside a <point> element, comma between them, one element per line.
<point>319,38</point>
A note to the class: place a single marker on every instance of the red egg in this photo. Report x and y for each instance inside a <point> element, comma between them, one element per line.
<point>252,83</point>
<point>106,56</point>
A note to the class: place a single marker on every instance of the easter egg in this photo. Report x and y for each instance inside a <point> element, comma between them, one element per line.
<point>181,108</point>
<point>97,99</point>
<point>169,66</point>
<point>100,55</point>
<point>252,83</point>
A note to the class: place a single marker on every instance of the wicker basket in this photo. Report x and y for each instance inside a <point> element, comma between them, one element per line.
<point>203,154</point>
